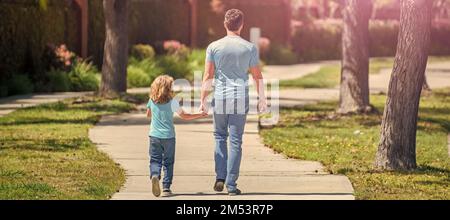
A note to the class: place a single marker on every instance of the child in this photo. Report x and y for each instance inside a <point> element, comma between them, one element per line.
<point>160,108</point>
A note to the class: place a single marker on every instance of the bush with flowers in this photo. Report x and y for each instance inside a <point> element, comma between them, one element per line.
<point>174,59</point>
<point>176,49</point>
<point>68,72</point>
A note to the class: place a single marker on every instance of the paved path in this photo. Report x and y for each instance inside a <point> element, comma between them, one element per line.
<point>294,71</point>
<point>12,103</point>
<point>438,76</point>
<point>264,174</point>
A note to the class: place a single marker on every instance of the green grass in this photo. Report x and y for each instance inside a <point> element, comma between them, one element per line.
<point>329,75</point>
<point>435,59</point>
<point>380,63</point>
<point>347,145</point>
<point>45,152</point>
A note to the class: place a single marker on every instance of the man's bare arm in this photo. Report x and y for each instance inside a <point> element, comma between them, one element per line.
<point>206,84</point>
<point>259,82</point>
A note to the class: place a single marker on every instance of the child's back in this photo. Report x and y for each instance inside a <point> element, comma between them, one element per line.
<point>162,118</point>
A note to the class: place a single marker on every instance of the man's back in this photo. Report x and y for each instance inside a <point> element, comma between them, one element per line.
<point>232,57</point>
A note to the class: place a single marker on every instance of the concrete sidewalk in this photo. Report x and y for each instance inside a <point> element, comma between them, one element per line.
<point>438,76</point>
<point>12,103</point>
<point>264,174</point>
<point>287,72</point>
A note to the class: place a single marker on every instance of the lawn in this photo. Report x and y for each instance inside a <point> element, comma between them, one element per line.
<point>45,152</point>
<point>329,76</point>
<point>326,77</point>
<point>347,145</point>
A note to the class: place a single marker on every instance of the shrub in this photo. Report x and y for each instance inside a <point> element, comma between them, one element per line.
<point>3,91</point>
<point>25,30</point>
<point>58,57</point>
<point>58,81</point>
<point>196,59</point>
<point>175,67</point>
<point>318,41</point>
<point>281,55</point>
<point>84,76</point>
<point>171,46</point>
<point>383,38</point>
<point>142,51</point>
<point>19,84</point>
<point>440,36</point>
<point>136,77</point>
<point>177,49</point>
<point>321,40</point>
<point>149,67</point>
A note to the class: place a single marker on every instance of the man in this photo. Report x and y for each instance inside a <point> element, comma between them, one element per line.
<point>228,62</point>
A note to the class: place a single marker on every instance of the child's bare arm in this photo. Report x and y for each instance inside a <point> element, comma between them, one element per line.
<point>186,116</point>
<point>149,113</point>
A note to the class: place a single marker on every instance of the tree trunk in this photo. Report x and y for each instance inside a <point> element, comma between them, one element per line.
<point>397,148</point>
<point>115,59</point>
<point>354,94</point>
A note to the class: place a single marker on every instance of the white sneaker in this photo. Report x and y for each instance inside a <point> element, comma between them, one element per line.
<point>167,193</point>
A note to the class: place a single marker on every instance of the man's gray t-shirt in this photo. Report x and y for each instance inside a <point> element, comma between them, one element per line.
<point>232,57</point>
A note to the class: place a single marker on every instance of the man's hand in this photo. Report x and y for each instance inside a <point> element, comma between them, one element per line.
<point>262,105</point>
<point>203,108</point>
<point>204,114</point>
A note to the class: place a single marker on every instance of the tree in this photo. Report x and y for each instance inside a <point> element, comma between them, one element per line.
<point>354,94</point>
<point>115,59</point>
<point>397,147</point>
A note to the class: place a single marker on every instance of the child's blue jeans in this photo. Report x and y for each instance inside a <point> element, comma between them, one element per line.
<point>162,155</point>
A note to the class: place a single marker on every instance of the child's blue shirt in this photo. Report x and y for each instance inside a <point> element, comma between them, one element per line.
<point>162,119</point>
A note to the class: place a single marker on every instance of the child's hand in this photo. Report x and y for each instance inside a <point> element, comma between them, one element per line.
<point>204,114</point>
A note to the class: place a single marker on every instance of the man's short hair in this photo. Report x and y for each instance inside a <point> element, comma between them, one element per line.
<point>234,18</point>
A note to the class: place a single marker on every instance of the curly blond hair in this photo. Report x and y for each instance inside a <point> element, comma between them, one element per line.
<point>161,89</point>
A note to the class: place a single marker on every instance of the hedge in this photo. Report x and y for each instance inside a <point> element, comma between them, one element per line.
<point>26,29</point>
<point>322,40</point>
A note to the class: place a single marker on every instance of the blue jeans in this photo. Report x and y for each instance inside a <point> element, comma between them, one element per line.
<point>162,154</point>
<point>228,163</point>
